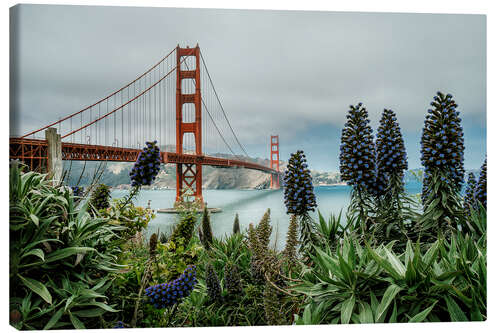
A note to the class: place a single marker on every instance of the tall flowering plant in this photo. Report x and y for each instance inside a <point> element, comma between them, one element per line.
<point>391,153</point>
<point>358,163</point>
<point>145,169</point>
<point>442,155</point>
<point>391,161</point>
<point>480,192</point>
<point>299,191</point>
<point>470,195</point>
<point>357,150</point>
<point>300,198</point>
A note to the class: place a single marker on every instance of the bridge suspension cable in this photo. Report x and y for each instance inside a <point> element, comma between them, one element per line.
<point>220,104</point>
<point>212,118</point>
<point>103,99</point>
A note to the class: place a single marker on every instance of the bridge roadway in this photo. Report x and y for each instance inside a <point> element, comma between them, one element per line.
<point>35,150</point>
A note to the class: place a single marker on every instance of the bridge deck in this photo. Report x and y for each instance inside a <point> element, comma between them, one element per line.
<point>34,151</point>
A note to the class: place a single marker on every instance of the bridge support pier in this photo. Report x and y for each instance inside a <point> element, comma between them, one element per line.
<point>54,154</point>
<point>189,183</point>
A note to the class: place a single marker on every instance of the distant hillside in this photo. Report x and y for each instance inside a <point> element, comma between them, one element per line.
<point>116,174</point>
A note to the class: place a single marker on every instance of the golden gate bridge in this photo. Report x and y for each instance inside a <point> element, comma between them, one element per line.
<point>175,103</point>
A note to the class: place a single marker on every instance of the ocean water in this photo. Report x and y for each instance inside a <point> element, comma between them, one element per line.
<point>250,206</point>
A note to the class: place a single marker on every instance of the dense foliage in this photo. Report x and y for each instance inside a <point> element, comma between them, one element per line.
<point>61,257</point>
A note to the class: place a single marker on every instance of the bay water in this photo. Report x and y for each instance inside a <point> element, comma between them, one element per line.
<point>250,206</point>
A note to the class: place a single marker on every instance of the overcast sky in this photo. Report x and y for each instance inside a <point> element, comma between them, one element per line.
<point>291,73</point>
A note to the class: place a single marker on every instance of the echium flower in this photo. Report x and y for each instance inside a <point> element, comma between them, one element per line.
<point>147,165</point>
<point>469,198</point>
<point>77,191</point>
<point>442,144</point>
<point>299,191</point>
<point>167,294</point>
<point>391,152</point>
<point>481,186</point>
<point>357,150</point>
<point>232,279</point>
<point>100,197</point>
<point>213,284</point>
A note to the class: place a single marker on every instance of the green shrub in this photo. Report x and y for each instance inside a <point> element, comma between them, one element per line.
<point>132,218</point>
<point>357,284</point>
<point>183,231</point>
<point>60,256</point>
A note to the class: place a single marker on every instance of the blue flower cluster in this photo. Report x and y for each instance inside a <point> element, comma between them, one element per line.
<point>480,193</point>
<point>167,294</point>
<point>119,324</point>
<point>77,191</point>
<point>147,165</point>
<point>470,198</point>
<point>442,143</point>
<point>357,150</point>
<point>390,148</point>
<point>299,191</point>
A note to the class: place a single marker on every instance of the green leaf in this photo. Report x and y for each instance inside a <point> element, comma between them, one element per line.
<point>37,287</point>
<point>395,263</point>
<point>55,318</point>
<point>419,317</point>
<point>394,315</point>
<point>66,252</point>
<point>102,306</point>
<point>384,263</point>
<point>76,322</point>
<point>346,270</point>
<point>456,314</point>
<point>35,220</point>
<point>389,295</point>
<point>90,313</point>
<point>365,315</point>
<point>346,310</point>
<point>35,252</point>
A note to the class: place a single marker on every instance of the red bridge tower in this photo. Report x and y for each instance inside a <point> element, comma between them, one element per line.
<point>189,180</point>
<point>275,161</point>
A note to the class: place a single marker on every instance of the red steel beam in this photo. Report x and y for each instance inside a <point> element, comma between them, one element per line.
<point>36,149</point>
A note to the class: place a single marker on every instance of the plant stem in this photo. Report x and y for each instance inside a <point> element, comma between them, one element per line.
<point>131,195</point>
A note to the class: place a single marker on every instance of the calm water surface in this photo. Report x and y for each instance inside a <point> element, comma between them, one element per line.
<point>250,206</point>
